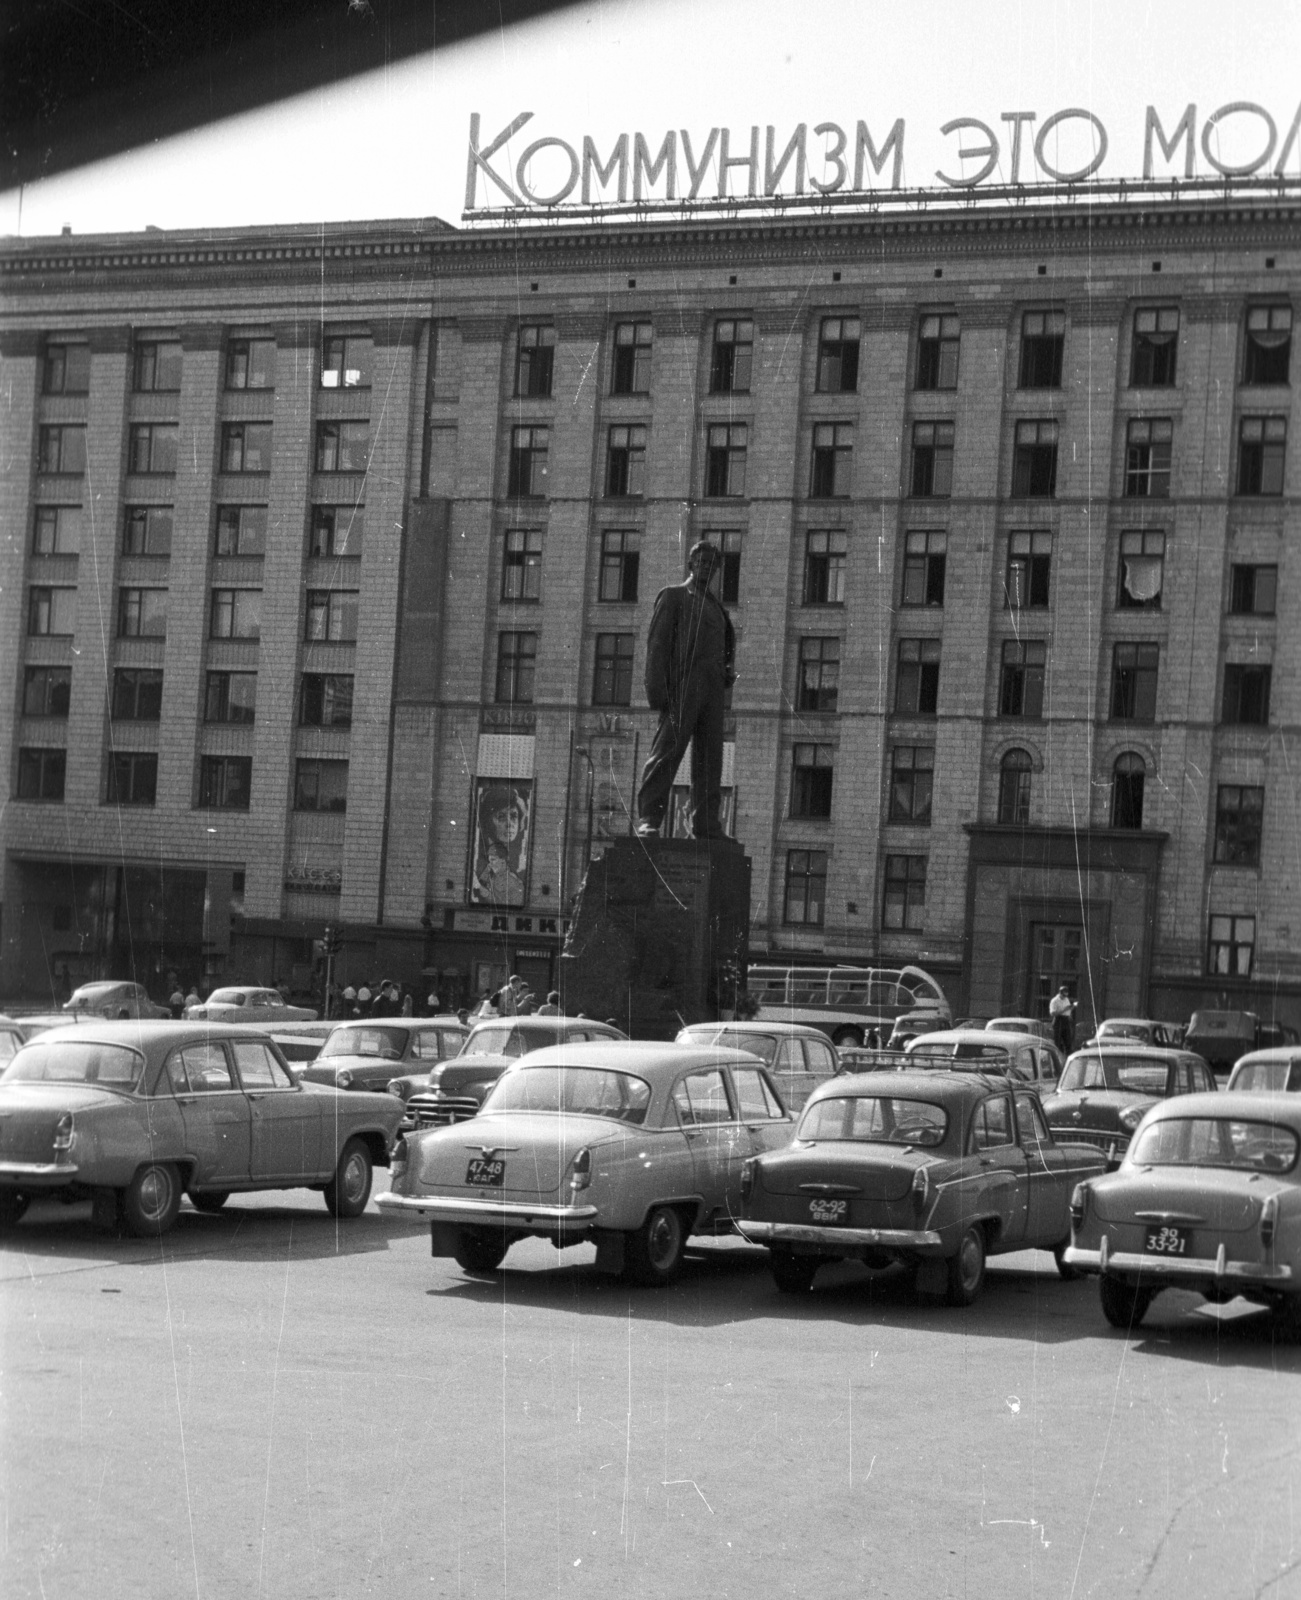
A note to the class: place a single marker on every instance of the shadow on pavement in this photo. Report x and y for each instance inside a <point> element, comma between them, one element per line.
<point>1238,1334</point>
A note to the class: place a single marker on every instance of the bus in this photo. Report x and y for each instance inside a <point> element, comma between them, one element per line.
<point>849,1002</point>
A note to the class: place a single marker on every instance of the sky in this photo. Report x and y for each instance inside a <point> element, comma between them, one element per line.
<point>393,143</point>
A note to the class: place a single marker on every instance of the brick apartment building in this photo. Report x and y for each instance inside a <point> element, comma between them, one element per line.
<point>328,556</point>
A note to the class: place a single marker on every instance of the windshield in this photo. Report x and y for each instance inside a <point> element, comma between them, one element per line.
<point>71,1061</point>
<point>387,1043</point>
<point>762,1045</point>
<point>876,1119</point>
<point>1275,1077</point>
<point>581,1091</point>
<point>1215,1142</point>
<point>226,997</point>
<point>1115,1071</point>
<point>992,1056</point>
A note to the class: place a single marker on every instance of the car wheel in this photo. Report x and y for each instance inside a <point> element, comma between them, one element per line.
<point>965,1271</point>
<point>653,1253</point>
<point>1123,1304</point>
<point>1066,1271</point>
<point>211,1201</point>
<point>348,1190</point>
<point>13,1204</point>
<point>152,1199</point>
<point>480,1254</point>
<point>847,1036</point>
<point>791,1273</point>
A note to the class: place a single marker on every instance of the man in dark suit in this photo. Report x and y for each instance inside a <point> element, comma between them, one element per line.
<point>690,665</point>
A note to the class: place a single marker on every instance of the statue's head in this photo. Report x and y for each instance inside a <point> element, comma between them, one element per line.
<point>702,559</point>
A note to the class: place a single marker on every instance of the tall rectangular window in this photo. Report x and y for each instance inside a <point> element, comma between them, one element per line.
<point>241,531</point>
<point>620,564</point>
<point>729,362</point>
<point>152,447</point>
<point>1133,682</point>
<point>236,614</point>
<point>812,771</point>
<point>806,887</point>
<point>521,565</point>
<point>61,447</point>
<point>905,893</point>
<point>142,613</point>
<point>1230,946</point>
<point>251,364</point>
<point>1142,569</point>
<point>336,531</point>
<point>517,655</point>
<point>230,697</point>
<point>917,677</point>
<point>1043,339</point>
<point>925,555</point>
<point>932,460</point>
<point>1148,443</point>
<point>1029,567</point>
<point>66,368</point>
<point>320,785</point>
<point>132,778</point>
<point>51,610</point>
<point>1246,694</point>
<point>625,467</point>
<point>612,679</point>
<point>726,582</point>
<point>147,531</point>
<point>1269,344</point>
<point>912,776</point>
<point>56,531</point>
<point>725,459</point>
<point>347,360</point>
<point>1155,348</point>
<point>225,783</point>
<point>325,700</point>
<point>631,371</point>
<point>535,360</point>
<point>825,556</point>
<point>1021,680</point>
<point>1239,813</point>
<point>1262,445</point>
<point>819,669</point>
<point>246,447</point>
<point>1253,590</point>
<point>46,691</point>
<point>528,463</point>
<point>41,774</point>
<point>833,456</point>
<point>137,694</point>
<point>937,351</point>
<point>1034,460</point>
<point>342,446</point>
<point>838,355</point>
<point>157,366</point>
<point>332,615</point>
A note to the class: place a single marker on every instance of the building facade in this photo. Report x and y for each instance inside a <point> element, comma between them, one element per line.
<point>328,557</point>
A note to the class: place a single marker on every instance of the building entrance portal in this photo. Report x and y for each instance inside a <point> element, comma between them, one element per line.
<point>1056,954</point>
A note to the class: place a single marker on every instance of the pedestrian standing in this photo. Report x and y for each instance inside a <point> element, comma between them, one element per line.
<point>1061,1012</point>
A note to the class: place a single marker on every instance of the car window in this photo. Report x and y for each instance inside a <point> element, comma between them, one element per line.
<point>10,1044</point>
<point>993,1125</point>
<point>258,1068</point>
<point>426,1045</point>
<point>1030,1121</point>
<point>762,1045</point>
<point>204,1066</point>
<point>877,1119</point>
<point>1047,1064</point>
<point>789,1057</point>
<point>756,1100</point>
<point>1216,1142</point>
<point>701,1098</point>
<point>386,1044</point>
<point>821,1058</point>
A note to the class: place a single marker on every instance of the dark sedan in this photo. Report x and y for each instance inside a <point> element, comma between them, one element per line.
<point>1104,1091</point>
<point>370,1054</point>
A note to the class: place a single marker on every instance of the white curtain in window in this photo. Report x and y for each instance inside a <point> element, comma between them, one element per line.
<point>1143,577</point>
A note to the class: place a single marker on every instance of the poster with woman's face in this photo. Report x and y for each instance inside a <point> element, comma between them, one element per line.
<point>499,864</point>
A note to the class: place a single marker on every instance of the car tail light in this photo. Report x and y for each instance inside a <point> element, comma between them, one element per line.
<point>747,1179</point>
<point>64,1133</point>
<point>921,1187</point>
<point>1079,1205</point>
<point>343,1078</point>
<point>580,1174</point>
<point>1131,1116</point>
<point>1268,1221</point>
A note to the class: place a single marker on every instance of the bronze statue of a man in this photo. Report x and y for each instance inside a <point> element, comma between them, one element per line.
<point>690,656</point>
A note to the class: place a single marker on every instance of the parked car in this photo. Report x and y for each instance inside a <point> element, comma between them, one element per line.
<point>299,1047</point>
<point>1275,1071</point>
<point>113,1000</point>
<point>1105,1090</point>
<point>631,1146</point>
<point>375,1055</point>
<point>457,1087</point>
<point>1135,1030</point>
<point>932,1168</point>
<point>1207,1198</point>
<point>1220,1037</point>
<point>1023,1057</point>
<point>134,1114</point>
<point>11,1040</point>
<point>264,1008</point>
<point>798,1057</point>
<point>1035,1025</point>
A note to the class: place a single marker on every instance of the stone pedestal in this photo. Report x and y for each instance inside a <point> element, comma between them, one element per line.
<point>659,927</point>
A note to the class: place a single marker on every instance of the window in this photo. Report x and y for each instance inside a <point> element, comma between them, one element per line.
<point>1014,787</point>
<point>1128,778</point>
<point>819,682</point>
<point>1269,344</point>
<point>325,700</point>
<point>51,611</point>
<point>1034,460</point>
<point>152,447</point>
<point>336,531</point>
<point>838,355</point>
<point>625,469</point>
<point>825,554</point>
<point>61,447</point>
<point>905,892</point>
<point>66,369</point>
<point>246,447</point>
<point>923,568</point>
<point>225,782</point>
<point>1029,564</point>
<point>1246,694</point>
<point>1239,811</point>
<point>346,361</point>
<point>41,774</point>
<point>1230,946</point>
<point>917,679</point>
<point>932,468</point>
<point>1262,442</point>
<point>1147,458</point>
<point>56,531</point>
<point>521,565</point>
<point>46,691</point>
<point>147,531</point>
<point>912,774</point>
<point>342,446</point>
<point>528,462</point>
<point>612,682</point>
<point>811,775</point>
<point>230,697</point>
<point>806,887</point>
<point>142,613</point>
<point>332,614</point>
<point>726,582</point>
<point>1021,681</point>
<point>632,358</point>
<point>1253,590</point>
<point>132,779</point>
<point>1043,337</point>
<point>620,564</point>
<point>1142,570</point>
<point>534,361</point>
<point>1155,348</point>
<point>157,365</point>
<point>516,658</point>
<point>1133,682</point>
<point>241,530</point>
<point>320,785</point>
<point>236,614</point>
<point>833,454</point>
<point>937,352</point>
<point>137,694</point>
<point>729,365</point>
<point>251,364</point>
<point>725,459</point>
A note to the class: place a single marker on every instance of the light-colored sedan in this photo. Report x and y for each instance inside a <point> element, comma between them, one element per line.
<point>113,1000</point>
<point>631,1146</point>
<point>799,1057</point>
<point>265,1008</point>
<point>1276,1071</point>
<point>1023,1057</point>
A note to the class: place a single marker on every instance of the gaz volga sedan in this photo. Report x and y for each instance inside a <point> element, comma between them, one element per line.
<point>632,1147</point>
<point>935,1169</point>
<point>1207,1198</point>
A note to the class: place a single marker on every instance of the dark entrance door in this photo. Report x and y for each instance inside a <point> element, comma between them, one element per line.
<point>1056,957</point>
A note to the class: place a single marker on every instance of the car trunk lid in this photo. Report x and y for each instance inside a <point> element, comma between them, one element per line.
<point>1181,1198</point>
<point>536,1150</point>
<point>842,1169</point>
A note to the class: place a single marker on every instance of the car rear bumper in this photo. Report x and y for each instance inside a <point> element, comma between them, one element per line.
<point>36,1174</point>
<point>923,1241</point>
<point>499,1213</point>
<point>1217,1268</point>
